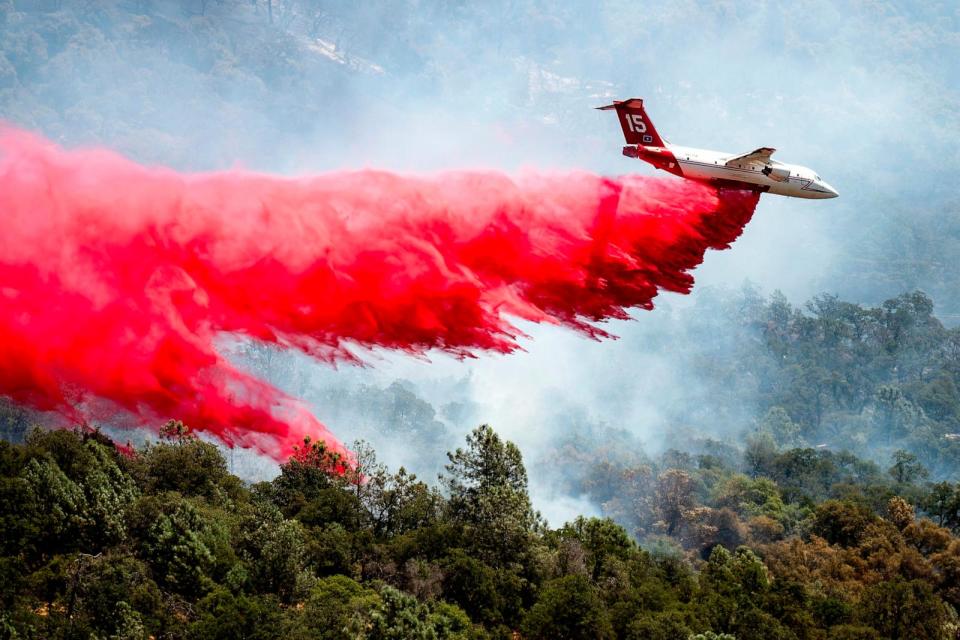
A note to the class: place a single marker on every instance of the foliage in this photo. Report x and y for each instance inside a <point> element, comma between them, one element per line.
<point>567,608</point>
<point>827,546</point>
<point>487,485</point>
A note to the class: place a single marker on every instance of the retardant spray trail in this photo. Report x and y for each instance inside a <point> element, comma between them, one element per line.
<point>116,279</point>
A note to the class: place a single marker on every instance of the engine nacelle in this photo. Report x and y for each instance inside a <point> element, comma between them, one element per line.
<point>777,173</point>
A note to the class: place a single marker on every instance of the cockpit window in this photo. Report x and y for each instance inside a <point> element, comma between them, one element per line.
<point>816,177</point>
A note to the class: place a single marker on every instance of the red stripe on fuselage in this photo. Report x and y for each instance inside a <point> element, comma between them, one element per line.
<point>659,157</point>
<point>663,158</point>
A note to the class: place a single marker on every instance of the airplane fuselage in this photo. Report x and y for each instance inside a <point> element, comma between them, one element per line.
<point>706,165</point>
<point>755,170</point>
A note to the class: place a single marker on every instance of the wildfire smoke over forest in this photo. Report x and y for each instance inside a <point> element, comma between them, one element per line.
<point>117,279</point>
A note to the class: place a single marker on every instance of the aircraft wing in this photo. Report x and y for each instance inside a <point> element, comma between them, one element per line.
<point>759,156</point>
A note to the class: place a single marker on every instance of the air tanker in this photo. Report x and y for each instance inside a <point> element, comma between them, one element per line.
<point>755,171</point>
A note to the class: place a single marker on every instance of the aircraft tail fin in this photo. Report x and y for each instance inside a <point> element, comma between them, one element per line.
<point>636,124</point>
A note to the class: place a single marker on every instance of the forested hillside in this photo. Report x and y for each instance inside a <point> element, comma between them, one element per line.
<point>165,542</point>
<point>830,374</point>
<point>752,371</point>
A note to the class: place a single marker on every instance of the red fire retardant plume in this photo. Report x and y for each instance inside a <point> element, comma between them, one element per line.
<point>116,279</point>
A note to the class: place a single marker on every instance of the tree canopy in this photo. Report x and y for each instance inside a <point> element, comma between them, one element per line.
<point>165,542</point>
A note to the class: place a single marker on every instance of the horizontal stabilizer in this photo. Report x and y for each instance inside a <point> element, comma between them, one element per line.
<point>632,102</point>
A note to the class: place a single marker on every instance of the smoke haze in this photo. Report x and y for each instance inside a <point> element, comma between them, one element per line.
<point>864,93</point>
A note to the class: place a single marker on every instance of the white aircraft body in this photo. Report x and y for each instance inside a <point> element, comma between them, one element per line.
<point>755,171</point>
